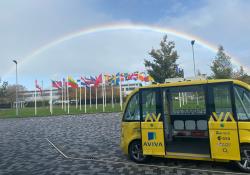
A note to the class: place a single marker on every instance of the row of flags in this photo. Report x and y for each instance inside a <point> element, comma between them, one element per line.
<point>95,81</point>
<point>76,83</point>
<point>91,81</point>
<point>121,77</point>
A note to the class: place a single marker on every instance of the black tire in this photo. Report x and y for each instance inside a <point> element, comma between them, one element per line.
<point>135,152</point>
<point>244,164</point>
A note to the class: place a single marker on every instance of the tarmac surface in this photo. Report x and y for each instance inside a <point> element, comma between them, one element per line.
<point>85,144</point>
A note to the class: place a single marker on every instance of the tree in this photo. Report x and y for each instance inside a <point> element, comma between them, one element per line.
<point>164,64</point>
<point>241,75</point>
<point>222,66</point>
<point>3,88</point>
<point>8,92</point>
<point>3,91</point>
<point>11,92</point>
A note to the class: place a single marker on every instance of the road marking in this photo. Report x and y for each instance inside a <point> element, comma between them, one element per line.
<point>57,149</point>
<point>148,165</point>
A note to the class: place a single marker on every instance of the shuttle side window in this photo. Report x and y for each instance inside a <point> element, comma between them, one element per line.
<point>222,98</point>
<point>133,111</point>
<point>242,102</point>
<point>150,103</point>
<point>189,100</point>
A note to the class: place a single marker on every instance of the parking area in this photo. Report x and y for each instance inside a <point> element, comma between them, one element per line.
<point>85,144</point>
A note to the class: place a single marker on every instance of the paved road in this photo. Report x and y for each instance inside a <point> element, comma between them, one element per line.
<point>90,144</point>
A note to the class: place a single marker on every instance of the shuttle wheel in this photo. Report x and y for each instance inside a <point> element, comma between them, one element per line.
<point>135,152</point>
<point>244,164</point>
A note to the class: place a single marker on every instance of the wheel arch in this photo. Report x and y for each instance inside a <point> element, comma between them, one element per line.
<point>238,164</point>
<point>131,141</point>
<point>244,141</point>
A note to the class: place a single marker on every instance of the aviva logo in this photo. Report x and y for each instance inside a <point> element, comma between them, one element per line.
<point>152,141</point>
<point>222,117</point>
<point>151,135</point>
<point>153,144</point>
<point>152,118</point>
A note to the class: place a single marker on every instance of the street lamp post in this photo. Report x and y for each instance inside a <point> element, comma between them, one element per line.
<point>192,43</point>
<point>15,61</point>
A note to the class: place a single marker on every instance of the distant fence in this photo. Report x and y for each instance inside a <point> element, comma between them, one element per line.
<point>5,106</point>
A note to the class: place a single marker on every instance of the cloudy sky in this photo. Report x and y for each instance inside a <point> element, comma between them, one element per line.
<point>28,25</point>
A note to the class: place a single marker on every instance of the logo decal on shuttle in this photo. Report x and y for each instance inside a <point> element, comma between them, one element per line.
<point>152,118</point>
<point>221,118</point>
<point>151,135</point>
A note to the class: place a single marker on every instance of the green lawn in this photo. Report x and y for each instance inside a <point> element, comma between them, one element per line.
<point>57,110</point>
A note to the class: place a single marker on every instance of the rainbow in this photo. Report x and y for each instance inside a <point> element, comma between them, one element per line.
<point>126,26</point>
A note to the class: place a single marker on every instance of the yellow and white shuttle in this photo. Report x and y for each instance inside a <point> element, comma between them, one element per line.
<point>199,120</point>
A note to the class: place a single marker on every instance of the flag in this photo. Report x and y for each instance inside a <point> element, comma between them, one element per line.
<point>113,79</point>
<point>117,79</point>
<point>64,82</point>
<point>72,83</point>
<point>98,80</point>
<point>126,76</point>
<point>130,76</point>
<point>122,78</point>
<point>92,78</point>
<point>134,76</point>
<point>38,87</point>
<point>81,83</point>
<point>107,78</point>
<point>88,81</point>
<point>141,76</point>
<point>56,84</point>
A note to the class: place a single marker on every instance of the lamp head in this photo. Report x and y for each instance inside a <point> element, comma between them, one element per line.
<point>15,61</point>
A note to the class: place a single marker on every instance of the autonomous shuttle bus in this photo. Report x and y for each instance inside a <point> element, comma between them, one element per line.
<point>199,120</point>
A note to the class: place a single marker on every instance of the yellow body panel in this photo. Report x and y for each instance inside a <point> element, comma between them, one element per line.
<point>188,156</point>
<point>224,144</point>
<point>196,82</point>
<point>153,138</point>
<point>223,134</point>
<point>129,131</point>
<point>244,132</point>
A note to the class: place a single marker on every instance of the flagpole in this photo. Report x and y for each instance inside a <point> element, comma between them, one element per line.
<point>105,91</point>
<point>180,99</point>
<point>42,95</point>
<point>80,97</point>
<point>120,93</point>
<point>62,95</point>
<point>65,94</point>
<point>90,96</point>
<point>85,100</point>
<point>105,95</point>
<point>51,101</point>
<point>76,99</point>
<point>112,93</point>
<point>197,98</point>
<point>35,102</point>
<point>183,98</point>
<point>96,97</point>
<point>68,92</point>
<point>103,107</point>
